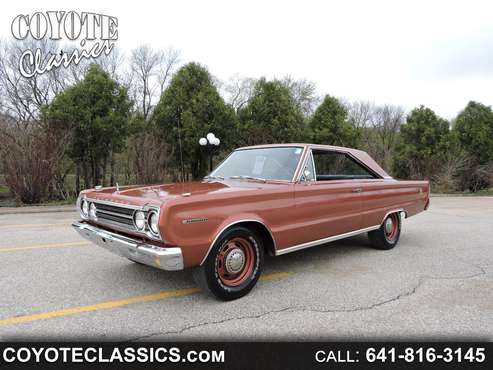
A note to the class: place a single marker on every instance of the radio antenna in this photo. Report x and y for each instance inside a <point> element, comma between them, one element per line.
<point>181,149</point>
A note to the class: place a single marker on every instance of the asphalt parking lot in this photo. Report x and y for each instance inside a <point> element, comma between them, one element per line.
<point>438,283</point>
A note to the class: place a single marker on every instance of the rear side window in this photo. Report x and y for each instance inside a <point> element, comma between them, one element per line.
<point>338,166</point>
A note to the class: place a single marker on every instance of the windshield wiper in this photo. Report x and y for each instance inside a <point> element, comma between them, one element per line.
<point>213,177</point>
<point>242,177</point>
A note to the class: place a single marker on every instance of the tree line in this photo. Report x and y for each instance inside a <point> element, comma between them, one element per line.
<point>136,119</point>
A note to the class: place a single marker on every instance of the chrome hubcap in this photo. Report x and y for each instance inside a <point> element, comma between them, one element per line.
<point>235,260</point>
<point>388,225</point>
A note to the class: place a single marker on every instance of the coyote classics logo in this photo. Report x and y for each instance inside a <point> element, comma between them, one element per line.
<point>95,33</point>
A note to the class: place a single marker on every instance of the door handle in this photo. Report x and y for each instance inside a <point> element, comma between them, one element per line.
<point>357,190</point>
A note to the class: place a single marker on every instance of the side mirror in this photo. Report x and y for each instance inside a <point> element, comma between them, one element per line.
<point>306,176</point>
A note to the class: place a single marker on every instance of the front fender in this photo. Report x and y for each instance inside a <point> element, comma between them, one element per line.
<point>196,234</point>
<point>231,222</point>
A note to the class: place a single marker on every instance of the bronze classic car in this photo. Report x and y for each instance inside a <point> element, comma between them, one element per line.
<point>272,199</point>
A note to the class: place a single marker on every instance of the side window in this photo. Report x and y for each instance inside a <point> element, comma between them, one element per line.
<point>308,173</point>
<point>338,166</point>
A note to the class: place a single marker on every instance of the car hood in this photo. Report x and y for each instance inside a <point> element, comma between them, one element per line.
<point>156,194</point>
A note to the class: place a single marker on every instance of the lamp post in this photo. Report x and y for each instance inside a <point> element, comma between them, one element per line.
<point>209,142</point>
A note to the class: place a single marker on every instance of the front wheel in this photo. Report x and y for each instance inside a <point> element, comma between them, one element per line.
<point>233,265</point>
<point>387,236</point>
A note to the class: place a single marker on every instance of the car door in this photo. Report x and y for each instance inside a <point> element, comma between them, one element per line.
<point>328,198</point>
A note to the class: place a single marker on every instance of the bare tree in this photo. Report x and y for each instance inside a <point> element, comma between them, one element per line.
<point>113,64</point>
<point>238,90</point>
<point>170,59</point>
<point>151,70</point>
<point>360,113</point>
<point>304,93</point>
<point>379,126</point>
<point>23,97</point>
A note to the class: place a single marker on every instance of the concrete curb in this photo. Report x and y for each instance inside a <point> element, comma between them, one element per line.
<point>36,209</point>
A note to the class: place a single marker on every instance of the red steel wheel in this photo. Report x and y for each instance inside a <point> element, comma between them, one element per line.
<point>391,227</point>
<point>234,264</point>
<point>235,261</point>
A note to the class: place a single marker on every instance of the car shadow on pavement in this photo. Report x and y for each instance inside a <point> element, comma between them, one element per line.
<point>163,280</point>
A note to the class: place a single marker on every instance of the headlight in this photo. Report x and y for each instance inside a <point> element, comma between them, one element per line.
<point>84,208</point>
<point>154,222</point>
<point>92,211</point>
<point>139,220</point>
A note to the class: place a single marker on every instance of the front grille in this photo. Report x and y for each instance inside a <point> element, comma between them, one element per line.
<point>113,215</point>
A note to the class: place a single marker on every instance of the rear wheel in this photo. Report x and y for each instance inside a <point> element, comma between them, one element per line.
<point>387,236</point>
<point>233,265</point>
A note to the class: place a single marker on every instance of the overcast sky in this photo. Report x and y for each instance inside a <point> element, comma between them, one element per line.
<point>439,54</point>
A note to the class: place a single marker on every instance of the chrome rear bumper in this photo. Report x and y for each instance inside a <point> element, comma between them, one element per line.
<point>170,259</point>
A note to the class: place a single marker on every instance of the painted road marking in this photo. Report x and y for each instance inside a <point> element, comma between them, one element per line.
<point>119,303</point>
<point>274,275</point>
<point>41,246</point>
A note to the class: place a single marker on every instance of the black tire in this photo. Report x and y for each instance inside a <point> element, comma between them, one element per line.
<point>214,275</point>
<point>385,239</point>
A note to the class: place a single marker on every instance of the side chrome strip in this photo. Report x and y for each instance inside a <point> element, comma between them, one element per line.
<point>336,237</point>
<point>228,226</point>
<point>325,240</point>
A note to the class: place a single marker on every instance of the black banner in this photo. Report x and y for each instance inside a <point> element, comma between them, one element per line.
<point>243,355</point>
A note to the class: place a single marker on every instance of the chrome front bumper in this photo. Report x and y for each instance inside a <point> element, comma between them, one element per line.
<point>169,259</point>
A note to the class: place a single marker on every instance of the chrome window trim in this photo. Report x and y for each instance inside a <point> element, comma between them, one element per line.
<point>228,226</point>
<point>314,168</point>
<point>296,170</point>
<point>364,166</point>
<point>299,168</point>
<point>305,162</point>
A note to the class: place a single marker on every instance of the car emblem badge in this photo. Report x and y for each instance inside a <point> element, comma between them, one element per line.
<point>194,220</point>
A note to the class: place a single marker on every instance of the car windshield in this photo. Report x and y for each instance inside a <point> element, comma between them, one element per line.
<point>260,164</point>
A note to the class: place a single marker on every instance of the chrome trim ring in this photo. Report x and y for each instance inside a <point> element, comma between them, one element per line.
<point>80,205</point>
<point>149,215</point>
<point>141,217</point>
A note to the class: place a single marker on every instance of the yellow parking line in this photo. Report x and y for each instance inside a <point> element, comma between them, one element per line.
<point>99,306</point>
<point>274,275</point>
<point>119,303</point>
<point>40,246</point>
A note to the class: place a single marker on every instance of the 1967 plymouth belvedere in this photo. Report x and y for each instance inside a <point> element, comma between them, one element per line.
<point>272,199</point>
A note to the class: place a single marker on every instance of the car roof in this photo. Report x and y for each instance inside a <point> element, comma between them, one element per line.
<point>360,155</point>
